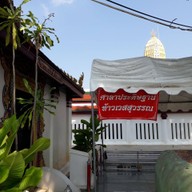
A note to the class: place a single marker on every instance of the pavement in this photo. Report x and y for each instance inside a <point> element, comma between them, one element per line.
<point>123,181</point>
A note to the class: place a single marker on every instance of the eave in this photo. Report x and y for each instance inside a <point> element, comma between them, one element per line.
<point>26,54</point>
<point>54,72</point>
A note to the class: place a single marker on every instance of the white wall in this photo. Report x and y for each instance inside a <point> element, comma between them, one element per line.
<point>55,128</point>
<point>172,133</point>
<point>76,118</point>
<point>1,89</point>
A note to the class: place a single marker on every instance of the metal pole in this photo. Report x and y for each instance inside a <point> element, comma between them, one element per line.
<point>88,176</point>
<point>94,155</point>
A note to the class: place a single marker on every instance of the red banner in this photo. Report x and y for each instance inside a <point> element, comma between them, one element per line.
<point>123,105</point>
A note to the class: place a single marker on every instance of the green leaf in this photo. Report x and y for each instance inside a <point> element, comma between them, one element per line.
<point>39,145</point>
<point>25,1</point>
<point>31,178</point>
<point>83,121</point>
<point>3,150</point>
<point>9,144</point>
<point>9,125</point>
<point>3,25</point>
<point>4,170</point>
<point>7,135</point>
<point>28,87</point>
<point>3,13</point>
<point>7,39</point>
<point>49,40</point>
<point>84,137</point>
<point>16,166</point>
<point>9,11</point>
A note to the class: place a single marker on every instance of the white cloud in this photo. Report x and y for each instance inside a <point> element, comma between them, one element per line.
<point>61,2</point>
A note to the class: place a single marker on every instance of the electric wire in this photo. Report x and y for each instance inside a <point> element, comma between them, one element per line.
<point>154,17</point>
<point>170,24</point>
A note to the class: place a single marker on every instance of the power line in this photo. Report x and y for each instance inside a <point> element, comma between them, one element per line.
<point>142,13</point>
<point>170,24</point>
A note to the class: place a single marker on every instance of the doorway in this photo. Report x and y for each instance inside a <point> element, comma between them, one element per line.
<point>24,134</point>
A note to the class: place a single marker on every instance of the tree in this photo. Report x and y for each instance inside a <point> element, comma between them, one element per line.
<point>39,35</point>
<point>11,17</point>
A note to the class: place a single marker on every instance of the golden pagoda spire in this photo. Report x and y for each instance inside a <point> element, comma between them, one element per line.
<point>154,48</point>
<point>153,34</point>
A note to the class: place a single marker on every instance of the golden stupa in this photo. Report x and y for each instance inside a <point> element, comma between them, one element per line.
<point>154,48</point>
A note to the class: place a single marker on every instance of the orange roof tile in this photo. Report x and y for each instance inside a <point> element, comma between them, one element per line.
<point>86,98</point>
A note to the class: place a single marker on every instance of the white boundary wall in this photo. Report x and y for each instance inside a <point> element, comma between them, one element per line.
<point>175,132</point>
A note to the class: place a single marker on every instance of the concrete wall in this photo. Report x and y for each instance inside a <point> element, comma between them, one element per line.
<point>173,174</point>
<point>76,118</point>
<point>1,90</point>
<point>57,156</point>
<point>172,133</point>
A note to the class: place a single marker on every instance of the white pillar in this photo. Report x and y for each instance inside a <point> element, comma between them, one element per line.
<point>69,122</point>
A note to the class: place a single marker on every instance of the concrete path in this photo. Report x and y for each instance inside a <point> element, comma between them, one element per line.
<point>123,181</point>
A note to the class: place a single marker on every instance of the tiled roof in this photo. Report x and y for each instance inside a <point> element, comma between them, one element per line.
<point>86,98</point>
<point>82,105</point>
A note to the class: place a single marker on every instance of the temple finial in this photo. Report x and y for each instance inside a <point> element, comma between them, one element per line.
<point>153,34</point>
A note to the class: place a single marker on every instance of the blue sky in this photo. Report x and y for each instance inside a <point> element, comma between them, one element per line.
<point>88,30</point>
